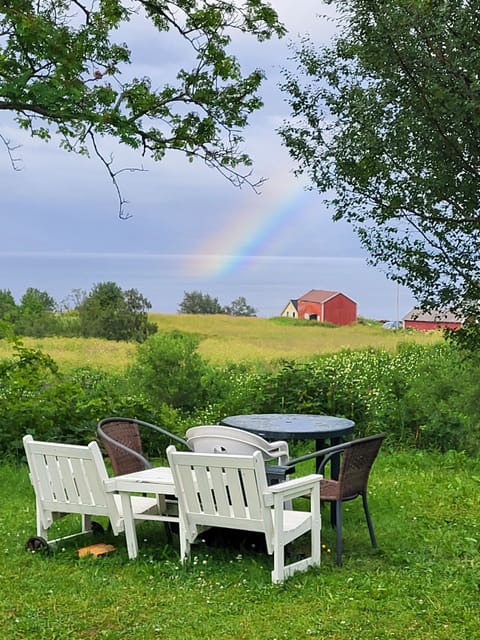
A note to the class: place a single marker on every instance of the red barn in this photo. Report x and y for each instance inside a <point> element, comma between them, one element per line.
<point>327,306</point>
<point>431,320</point>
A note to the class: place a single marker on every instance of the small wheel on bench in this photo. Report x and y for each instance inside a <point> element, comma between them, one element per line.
<point>96,528</point>
<point>37,543</point>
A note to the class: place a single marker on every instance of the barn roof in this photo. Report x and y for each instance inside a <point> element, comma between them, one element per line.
<point>434,315</point>
<point>321,295</point>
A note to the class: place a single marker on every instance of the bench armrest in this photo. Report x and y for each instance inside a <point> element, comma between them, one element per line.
<point>292,488</point>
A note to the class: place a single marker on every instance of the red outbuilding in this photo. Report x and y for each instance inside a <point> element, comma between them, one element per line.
<point>431,320</point>
<point>324,306</point>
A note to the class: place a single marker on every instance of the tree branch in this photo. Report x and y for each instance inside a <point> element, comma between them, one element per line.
<point>122,213</point>
<point>10,150</point>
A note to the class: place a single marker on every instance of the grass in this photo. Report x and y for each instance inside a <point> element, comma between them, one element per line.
<point>226,338</point>
<point>422,582</point>
<point>80,352</point>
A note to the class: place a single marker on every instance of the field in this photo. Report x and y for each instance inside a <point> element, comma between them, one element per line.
<point>225,338</point>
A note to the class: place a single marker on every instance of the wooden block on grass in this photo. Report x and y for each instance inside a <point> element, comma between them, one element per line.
<point>96,550</point>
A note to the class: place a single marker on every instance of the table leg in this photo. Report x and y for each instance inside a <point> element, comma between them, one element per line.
<point>334,473</point>
<point>129,523</point>
<point>335,468</point>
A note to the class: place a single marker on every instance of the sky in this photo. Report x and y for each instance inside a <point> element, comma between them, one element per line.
<point>64,204</point>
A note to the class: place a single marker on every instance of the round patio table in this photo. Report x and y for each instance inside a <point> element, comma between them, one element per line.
<point>293,426</point>
<point>325,430</point>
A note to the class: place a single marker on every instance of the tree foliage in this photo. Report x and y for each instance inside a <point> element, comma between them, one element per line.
<point>169,370</point>
<point>240,307</point>
<point>111,313</point>
<point>8,306</point>
<point>35,301</point>
<point>64,71</point>
<point>386,125</point>
<point>36,314</point>
<point>201,303</point>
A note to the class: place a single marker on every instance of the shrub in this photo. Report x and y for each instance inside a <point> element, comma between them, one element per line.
<point>35,398</point>
<point>168,370</point>
<point>443,404</point>
<point>425,397</point>
<point>421,396</point>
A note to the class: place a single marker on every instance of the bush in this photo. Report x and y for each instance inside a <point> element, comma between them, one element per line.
<point>35,398</point>
<point>425,397</point>
<point>230,390</point>
<point>168,370</point>
<point>443,404</point>
<point>421,396</point>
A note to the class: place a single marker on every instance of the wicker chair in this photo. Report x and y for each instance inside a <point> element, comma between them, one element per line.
<point>357,458</point>
<point>122,441</point>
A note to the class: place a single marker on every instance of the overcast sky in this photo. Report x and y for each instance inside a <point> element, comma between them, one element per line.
<point>64,203</point>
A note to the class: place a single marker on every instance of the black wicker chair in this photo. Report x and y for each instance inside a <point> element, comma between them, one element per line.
<point>357,458</point>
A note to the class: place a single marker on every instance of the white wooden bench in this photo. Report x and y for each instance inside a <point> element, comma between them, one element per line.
<point>231,491</point>
<point>71,479</point>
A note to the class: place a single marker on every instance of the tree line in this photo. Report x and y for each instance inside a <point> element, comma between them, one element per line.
<point>107,312</point>
<point>198,302</point>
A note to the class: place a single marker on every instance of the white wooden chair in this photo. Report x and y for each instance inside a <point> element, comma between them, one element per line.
<point>231,491</point>
<point>70,479</point>
<point>220,439</point>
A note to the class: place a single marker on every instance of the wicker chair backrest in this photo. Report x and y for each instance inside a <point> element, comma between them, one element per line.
<point>127,433</point>
<point>357,462</point>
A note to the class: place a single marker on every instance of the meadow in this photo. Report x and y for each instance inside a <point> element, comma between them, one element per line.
<point>226,339</point>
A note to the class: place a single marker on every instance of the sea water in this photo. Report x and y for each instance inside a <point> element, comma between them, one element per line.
<point>266,282</point>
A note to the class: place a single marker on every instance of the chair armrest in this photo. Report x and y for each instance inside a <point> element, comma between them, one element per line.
<point>279,444</point>
<point>165,432</point>
<point>291,488</point>
<point>277,473</point>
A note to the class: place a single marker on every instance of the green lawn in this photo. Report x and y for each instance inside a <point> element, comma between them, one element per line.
<point>421,583</point>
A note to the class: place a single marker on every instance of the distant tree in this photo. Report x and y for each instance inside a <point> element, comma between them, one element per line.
<point>386,125</point>
<point>201,303</point>
<point>239,307</point>
<point>110,313</point>
<point>137,307</point>
<point>35,301</point>
<point>73,300</point>
<point>8,306</point>
<point>62,73</point>
<point>8,313</point>
<point>36,314</point>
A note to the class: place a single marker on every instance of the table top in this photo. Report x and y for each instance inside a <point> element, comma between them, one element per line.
<point>156,480</point>
<point>293,426</point>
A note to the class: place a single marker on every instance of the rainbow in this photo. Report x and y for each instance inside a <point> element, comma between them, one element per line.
<point>252,230</point>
